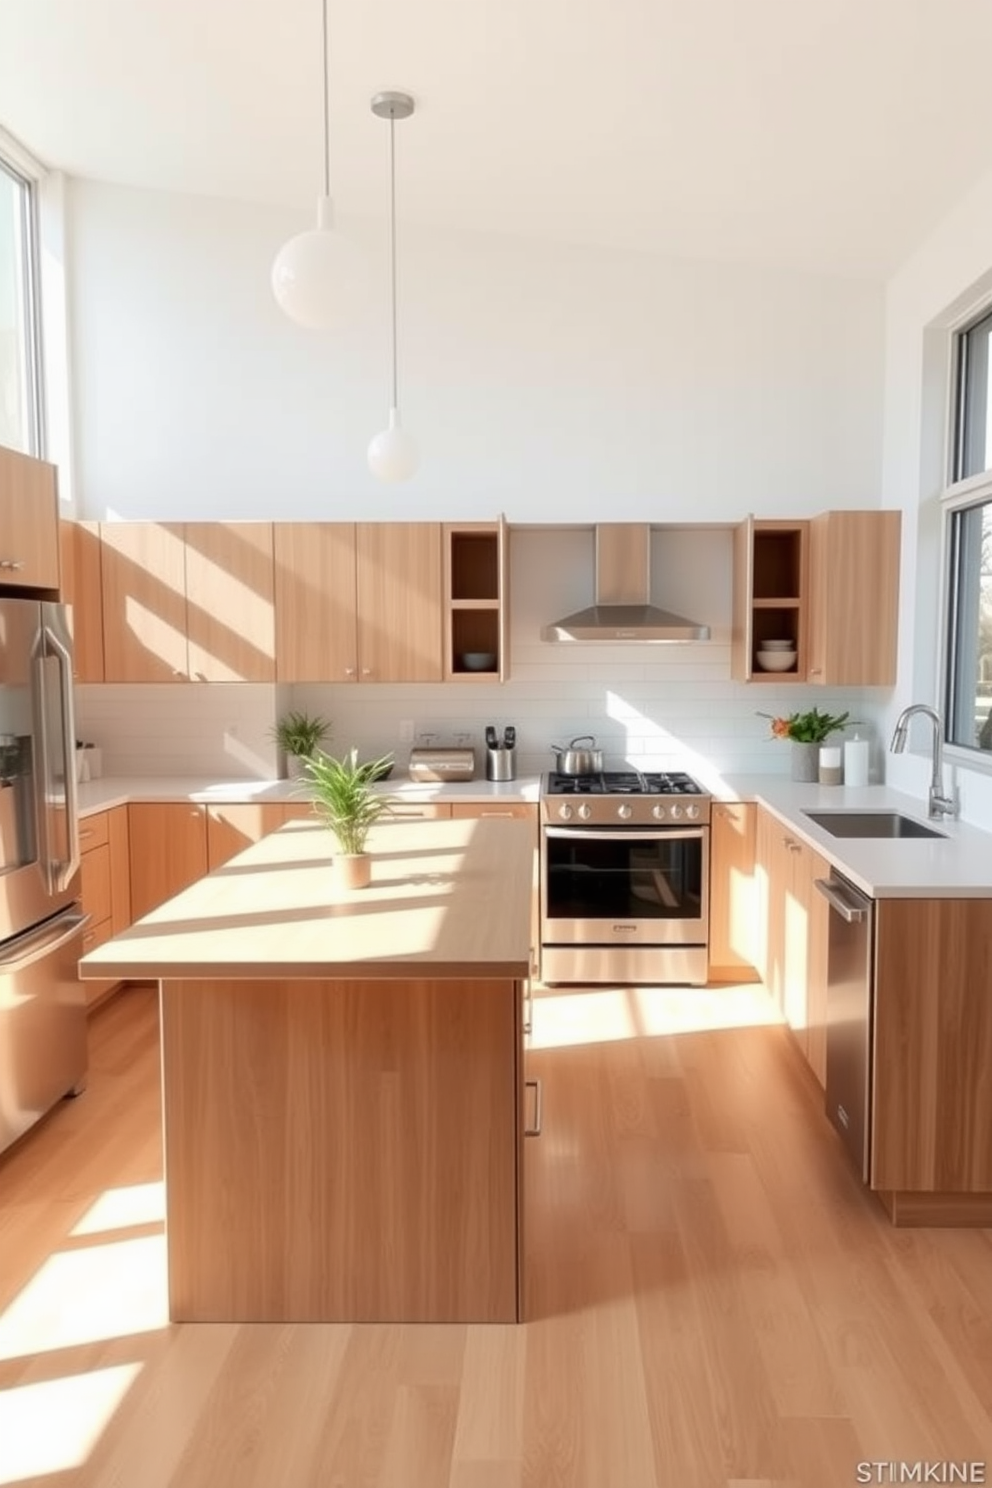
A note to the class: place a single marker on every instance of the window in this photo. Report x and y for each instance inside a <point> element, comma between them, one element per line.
<point>969,699</point>
<point>19,362</point>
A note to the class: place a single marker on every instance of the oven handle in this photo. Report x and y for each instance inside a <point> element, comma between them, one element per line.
<point>626,834</point>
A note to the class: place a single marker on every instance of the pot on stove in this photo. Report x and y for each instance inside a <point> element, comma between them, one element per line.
<point>578,761</point>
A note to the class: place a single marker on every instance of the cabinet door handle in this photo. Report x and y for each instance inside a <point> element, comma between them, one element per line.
<point>12,564</point>
<point>349,671</point>
<point>85,832</point>
<point>535,1130</point>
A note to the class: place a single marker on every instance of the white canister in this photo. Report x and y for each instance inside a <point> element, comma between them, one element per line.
<point>830,770</point>
<point>856,761</point>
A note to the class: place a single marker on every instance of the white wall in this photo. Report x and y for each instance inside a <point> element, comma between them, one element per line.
<point>554,384</point>
<point>950,272</point>
<point>550,383</point>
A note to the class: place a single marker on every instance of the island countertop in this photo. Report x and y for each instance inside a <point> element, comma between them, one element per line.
<point>447,898</point>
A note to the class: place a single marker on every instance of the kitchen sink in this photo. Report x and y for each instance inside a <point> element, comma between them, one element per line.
<point>870,824</point>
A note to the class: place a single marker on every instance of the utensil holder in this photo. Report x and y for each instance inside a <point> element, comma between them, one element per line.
<point>501,764</point>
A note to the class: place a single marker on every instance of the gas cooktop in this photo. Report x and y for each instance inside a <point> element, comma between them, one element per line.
<point>628,797</point>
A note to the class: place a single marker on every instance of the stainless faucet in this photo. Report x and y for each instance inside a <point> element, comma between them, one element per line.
<point>938,804</point>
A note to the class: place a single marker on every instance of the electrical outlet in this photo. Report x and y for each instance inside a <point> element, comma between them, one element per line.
<point>406,731</point>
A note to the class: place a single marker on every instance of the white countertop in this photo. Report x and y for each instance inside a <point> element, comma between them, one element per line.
<point>100,795</point>
<point>957,865</point>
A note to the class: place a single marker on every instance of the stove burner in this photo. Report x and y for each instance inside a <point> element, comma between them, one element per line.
<point>624,783</point>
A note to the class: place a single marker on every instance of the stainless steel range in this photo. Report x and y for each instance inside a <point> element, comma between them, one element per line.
<point>624,878</point>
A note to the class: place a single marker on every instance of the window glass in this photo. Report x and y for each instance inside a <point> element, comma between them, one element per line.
<point>18,421</point>
<point>969,701</point>
<point>974,422</point>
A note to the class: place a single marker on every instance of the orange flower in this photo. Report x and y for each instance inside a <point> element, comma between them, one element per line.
<point>780,728</point>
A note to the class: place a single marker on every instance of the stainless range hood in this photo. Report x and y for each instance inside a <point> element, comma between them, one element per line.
<point>623,611</point>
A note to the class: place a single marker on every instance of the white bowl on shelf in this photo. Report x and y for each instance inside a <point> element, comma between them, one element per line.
<point>777,661</point>
<point>778,646</point>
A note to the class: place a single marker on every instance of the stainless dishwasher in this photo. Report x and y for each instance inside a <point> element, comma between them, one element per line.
<point>850,977</point>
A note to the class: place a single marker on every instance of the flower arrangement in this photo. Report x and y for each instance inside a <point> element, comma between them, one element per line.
<point>808,728</point>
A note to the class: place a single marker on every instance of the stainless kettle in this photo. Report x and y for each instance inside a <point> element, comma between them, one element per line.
<point>576,761</point>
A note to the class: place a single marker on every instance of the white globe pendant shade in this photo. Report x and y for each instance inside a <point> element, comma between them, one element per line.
<point>393,454</point>
<point>313,275</point>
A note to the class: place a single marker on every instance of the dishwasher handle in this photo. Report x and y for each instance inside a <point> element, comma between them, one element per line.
<point>853,911</point>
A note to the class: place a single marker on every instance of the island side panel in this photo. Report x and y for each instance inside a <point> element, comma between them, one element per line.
<point>342,1150</point>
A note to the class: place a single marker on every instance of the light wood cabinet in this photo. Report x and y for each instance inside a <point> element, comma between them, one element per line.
<point>771,577</point>
<point>29,521</point>
<point>476,601</point>
<point>232,828</point>
<point>168,851</point>
<point>316,602</point>
<point>230,601</point>
<point>733,894</point>
<point>82,589</point>
<point>106,893</point>
<point>143,571</point>
<point>184,600</point>
<point>398,568</point>
<point>830,585</point>
<point>792,934</point>
<point>358,602</point>
<point>854,598</point>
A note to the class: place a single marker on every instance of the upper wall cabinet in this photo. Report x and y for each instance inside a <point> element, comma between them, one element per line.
<point>771,575</point>
<point>29,521</point>
<point>83,591</point>
<point>830,587</point>
<point>854,594</point>
<point>190,600</point>
<point>358,601</point>
<point>475,602</point>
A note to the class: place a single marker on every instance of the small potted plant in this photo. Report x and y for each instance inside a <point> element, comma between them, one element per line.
<point>345,797</point>
<point>807,732</point>
<point>298,734</point>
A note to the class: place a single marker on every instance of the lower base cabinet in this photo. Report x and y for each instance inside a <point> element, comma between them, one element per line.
<point>733,916</point>
<point>168,846</point>
<point>106,889</point>
<point>792,933</point>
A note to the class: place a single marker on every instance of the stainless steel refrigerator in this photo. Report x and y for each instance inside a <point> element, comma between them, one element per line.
<point>42,1007</point>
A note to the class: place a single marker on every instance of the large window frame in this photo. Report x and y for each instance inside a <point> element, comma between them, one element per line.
<point>28,266</point>
<point>967,509</point>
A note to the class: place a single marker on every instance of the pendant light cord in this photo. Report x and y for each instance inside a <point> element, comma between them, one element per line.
<point>327,114</point>
<point>392,241</point>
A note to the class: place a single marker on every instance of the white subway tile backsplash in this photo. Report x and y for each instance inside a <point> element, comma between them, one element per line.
<point>181,729</point>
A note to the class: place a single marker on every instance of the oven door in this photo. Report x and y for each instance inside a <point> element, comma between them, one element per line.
<point>625,886</point>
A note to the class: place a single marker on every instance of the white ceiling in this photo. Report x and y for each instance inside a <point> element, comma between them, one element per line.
<point>821,134</point>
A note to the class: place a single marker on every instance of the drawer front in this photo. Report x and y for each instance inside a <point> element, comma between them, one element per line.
<point>93,831</point>
<point>474,809</point>
<point>417,811</point>
<point>94,935</point>
<point>96,883</point>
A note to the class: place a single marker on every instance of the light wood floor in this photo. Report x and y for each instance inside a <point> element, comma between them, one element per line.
<point>714,1299</point>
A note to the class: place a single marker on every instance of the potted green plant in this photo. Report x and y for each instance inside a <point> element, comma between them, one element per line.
<point>807,731</point>
<point>345,796</point>
<point>298,734</point>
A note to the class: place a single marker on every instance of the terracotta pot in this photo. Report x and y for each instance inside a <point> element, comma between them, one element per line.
<point>351,870</point>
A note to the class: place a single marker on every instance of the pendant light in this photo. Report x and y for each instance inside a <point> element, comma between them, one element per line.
<point>313,274</point>
<point>393,453</point>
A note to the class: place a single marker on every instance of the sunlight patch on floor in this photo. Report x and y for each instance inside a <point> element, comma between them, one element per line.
<point>84,1295</point>
<point>562,1019</point>
<point>122,1208</point>
<point>53,1426</point>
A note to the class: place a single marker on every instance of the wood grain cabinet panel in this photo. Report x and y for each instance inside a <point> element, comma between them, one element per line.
<point>733,914</point>
<point>168,851</point>
<point>230,603</point>
<point>82,588</point>
<point>854,598</point>
<point>316,602</point>
<point>106,894</point>
<point>143,570</point>
<point>29,521</point>
<point>398,576</point>
<point>232,828</point>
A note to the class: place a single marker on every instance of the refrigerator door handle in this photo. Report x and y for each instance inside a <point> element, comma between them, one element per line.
<point>65,871</point>
<point>38,943</point>
<point>42,768</point>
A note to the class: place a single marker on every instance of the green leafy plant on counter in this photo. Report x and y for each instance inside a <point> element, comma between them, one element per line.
<point>808,728</point>
<point>344,795</point>
<point>301,733</point>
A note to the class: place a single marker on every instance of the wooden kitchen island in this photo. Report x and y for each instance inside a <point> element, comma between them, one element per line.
<point>342,1077</point>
